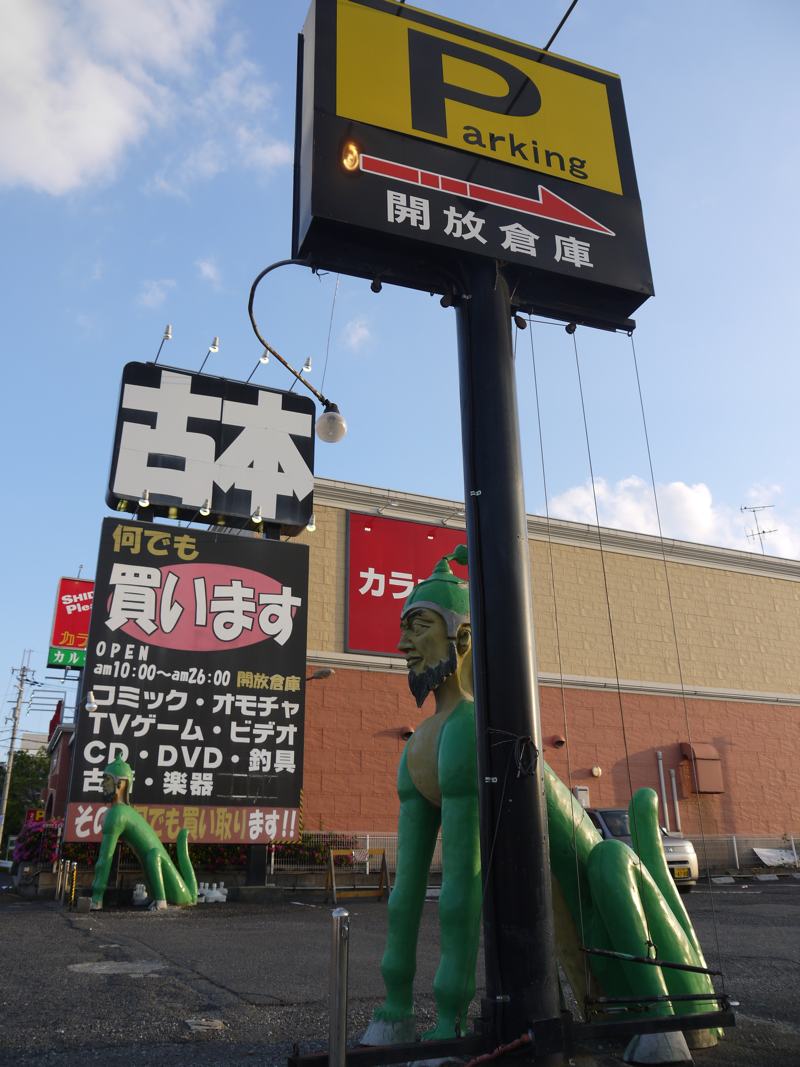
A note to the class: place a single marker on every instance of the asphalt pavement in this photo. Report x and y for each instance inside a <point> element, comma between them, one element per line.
<point>233,984</point>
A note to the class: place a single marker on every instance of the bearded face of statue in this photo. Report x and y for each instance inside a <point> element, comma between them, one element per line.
<point>430,655</point>
<point>114,790</point>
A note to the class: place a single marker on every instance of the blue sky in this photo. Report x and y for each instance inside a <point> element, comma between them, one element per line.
<point>145,178</point>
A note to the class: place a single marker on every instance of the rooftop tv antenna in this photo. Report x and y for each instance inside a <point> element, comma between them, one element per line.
<point>758,532</point>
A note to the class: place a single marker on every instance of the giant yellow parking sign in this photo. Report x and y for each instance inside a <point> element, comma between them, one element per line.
<point>483,94</point>
<point>422,142</point>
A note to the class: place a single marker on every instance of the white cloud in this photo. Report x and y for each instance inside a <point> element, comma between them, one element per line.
<point>81,83</point>
<point>688,512</point>
<point>209,271</point>
<point>356,333</point>
<point>153,292</point>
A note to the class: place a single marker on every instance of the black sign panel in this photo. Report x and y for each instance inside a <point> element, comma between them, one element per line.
<point>195,674</point>
<point>193,445</point>
<point>402,169</point>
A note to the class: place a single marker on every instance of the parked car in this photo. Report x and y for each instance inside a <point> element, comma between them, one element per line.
<point>680,854</point>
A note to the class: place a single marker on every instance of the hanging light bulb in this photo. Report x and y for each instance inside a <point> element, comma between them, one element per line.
<point>331,426</point>
<point>307,365</point>
<point>144,499</point>
<point>256,517</point>
<point>206,508</point>
<point>91,703</point>
<point>312,525</point>
<point>264,357</point>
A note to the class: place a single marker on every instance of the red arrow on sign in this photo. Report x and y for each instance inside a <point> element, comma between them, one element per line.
<point>546,205</point>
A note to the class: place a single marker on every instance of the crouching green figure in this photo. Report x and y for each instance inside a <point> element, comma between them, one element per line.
<point>619,902</point>
<point>165,882</point>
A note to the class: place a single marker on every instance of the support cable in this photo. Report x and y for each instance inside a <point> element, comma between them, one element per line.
<point>558,646</point>
<point>677,648</point>
<point>650,943</point>
<point>330,329</point>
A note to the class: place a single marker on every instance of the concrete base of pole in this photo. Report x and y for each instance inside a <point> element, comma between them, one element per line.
<point>701,1038</point>
<point>386,1032</point>
<point>658,1048</point>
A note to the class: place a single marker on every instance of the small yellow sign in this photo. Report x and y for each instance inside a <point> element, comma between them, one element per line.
<point>409,75</point>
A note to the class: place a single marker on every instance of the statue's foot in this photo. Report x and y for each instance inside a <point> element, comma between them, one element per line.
<point>670,1048</point>
<point>389,1031</point>
<point>96,905</point>
<point>158,905</point>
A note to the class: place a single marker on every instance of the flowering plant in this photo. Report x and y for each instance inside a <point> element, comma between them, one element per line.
<point>37,842</point>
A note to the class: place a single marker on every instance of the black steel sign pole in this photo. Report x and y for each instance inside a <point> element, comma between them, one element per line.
<point>409,171</point>
<point>519,939</point>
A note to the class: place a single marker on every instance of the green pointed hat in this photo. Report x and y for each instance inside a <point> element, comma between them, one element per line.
<point>118,768</point>
<point>444,592</point>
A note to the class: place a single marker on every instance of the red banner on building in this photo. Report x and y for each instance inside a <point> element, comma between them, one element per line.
<point>70,630</point>
<point>386,558</point>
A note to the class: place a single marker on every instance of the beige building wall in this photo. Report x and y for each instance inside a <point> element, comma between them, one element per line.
<point>711,618</point>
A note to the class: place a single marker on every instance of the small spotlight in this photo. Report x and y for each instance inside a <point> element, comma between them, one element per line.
<point>264,357</point>
<point>167,332</point>
<point>312,525</point>
<point>257,517</point>
<point>570,327</point>
<point>351,157</point>
<point>446,301</point>
<point>206,508</point>
<point>331,426</point>
<point>214,346</point>
<point>144,499</point>
<point>376,285</point>
<point>519,322</point>
<point>91,703</point>
<point>307,365</point>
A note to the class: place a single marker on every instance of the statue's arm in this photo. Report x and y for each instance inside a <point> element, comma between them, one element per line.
<point>112,828</point>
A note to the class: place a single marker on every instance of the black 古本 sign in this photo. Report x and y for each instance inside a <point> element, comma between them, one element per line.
<point>192,444</point>
<point>196,670</point>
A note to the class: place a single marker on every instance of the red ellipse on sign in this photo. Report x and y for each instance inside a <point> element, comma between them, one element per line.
<point>206,607</point>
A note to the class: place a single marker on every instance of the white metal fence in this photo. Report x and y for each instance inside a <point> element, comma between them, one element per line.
<point>720,852</point>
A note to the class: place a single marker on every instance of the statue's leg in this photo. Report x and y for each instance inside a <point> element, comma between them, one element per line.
<point>637,918</point>
<point>416,839</point>
<point>460,900</point>
<point>459,915</point>
<point>155,877</point>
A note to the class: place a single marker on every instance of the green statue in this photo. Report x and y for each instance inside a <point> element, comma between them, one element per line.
<point>164,880</point>
<point>605,895</point>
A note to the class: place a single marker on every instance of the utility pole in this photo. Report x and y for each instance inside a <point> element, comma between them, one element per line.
<point>22,677</point>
